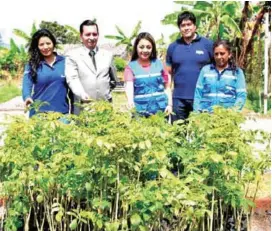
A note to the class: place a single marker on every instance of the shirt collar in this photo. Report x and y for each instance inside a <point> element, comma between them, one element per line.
<point>196,39</point>
<point>88,50</point>
<point>58,58</point>
<point>213,67</point>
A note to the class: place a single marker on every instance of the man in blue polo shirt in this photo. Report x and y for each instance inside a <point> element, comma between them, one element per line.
<point>185,58</point>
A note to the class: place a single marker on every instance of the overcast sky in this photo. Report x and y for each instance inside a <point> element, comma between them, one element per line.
<point>124,13</point>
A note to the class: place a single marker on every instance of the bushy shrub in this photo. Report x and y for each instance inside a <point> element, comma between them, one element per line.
<point>107,171</point>
<point>120,63</point>
<point>13,61</point>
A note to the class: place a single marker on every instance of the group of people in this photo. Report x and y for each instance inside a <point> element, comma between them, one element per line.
<point>198,74</point>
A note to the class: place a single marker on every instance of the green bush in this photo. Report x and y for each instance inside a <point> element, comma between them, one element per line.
<point>12,61</point>
<point>120,64</point>
<point>107,171</point>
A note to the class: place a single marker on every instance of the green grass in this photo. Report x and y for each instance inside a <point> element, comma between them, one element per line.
<point>8,92</point>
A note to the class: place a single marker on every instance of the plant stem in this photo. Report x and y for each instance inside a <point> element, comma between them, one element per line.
<point>211,225</point>
<point>117,191</point>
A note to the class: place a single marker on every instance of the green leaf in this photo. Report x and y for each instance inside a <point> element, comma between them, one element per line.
<point>59,216</point>
<point>73,224</point>
<point>135,219</point>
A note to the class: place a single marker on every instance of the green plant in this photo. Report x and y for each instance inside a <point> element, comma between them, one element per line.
<point>12,61</point>
<point>125,40</point>
<point>120,64</point>
<point>108,171</point>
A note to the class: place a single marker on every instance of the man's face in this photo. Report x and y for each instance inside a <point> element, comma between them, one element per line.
<point>89,36</point>
<point>187,29</point>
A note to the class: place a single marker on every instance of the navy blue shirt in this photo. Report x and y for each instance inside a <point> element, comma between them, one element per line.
<point>186,61</point>
<point>51,87</point>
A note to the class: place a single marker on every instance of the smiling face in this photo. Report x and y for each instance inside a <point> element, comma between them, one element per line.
<point>46,46</point>
<point>187,29</point>
<point>89,36</point>
<point>144,49</point>
<point>221,57</point>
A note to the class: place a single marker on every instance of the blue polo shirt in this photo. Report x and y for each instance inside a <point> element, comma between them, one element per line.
<point>51,86</point>
<point>186,61</point>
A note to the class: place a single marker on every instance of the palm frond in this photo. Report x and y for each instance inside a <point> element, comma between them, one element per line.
<point>120,31</point>
<point>230,23</point>
<point>174,36</point>
<point>21,34</point>
<point>13,46</point>
<point>34,28</point>
<point>136,30</point>
<point>113,37</point>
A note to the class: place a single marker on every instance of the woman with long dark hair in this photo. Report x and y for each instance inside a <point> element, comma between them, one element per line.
<point>221,83</point>
<point>44,79</point>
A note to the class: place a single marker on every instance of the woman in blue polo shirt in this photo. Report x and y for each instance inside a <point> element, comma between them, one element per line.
<point>44,78</point>
<point>221,83</point>
<point>147,83</point>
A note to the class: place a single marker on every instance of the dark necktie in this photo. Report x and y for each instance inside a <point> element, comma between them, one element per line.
<point>92,53</point>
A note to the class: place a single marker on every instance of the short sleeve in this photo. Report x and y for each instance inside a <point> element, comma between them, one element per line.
<point>165,74</point>
<point>128,74</point>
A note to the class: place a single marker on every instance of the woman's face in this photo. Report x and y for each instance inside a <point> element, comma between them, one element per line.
<point>144,49</point>
<point>46,46</point>
<point>221,56</point>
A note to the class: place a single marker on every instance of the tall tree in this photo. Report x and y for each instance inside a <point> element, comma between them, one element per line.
<point>64,34</point>
<point>124,39</point>
<point>251,29</point>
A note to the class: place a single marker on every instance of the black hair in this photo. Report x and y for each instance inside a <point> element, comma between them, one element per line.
<point>148,37</point>
<point>35,55</point>
<point>226,44</point>
<point>186,15</point>
<point>88,23</point>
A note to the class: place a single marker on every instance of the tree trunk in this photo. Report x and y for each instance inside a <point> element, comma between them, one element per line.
<point>248,45</point>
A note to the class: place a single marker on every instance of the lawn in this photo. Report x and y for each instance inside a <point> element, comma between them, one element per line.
<point>8,92</point>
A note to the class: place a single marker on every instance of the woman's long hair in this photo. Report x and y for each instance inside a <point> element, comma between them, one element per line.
<point>35,55</point>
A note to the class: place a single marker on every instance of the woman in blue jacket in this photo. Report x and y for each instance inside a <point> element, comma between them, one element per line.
<point>221,83</point>
<point>147,82</point>
<point>44,78</point>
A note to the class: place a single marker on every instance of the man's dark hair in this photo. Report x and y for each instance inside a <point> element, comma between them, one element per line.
<point>186,15</point>
<point>88,23</point>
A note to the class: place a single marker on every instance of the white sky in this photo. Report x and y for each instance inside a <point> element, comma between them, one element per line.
<point>21,14</point>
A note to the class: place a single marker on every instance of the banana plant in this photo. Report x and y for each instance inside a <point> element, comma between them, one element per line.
<point>24,35</point>
<point>215,19</point>
<point>124,39</point>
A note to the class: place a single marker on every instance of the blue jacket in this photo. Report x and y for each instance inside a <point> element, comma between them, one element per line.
<point>51,87</point>
<point>226,89</point>
<point>149,95</point>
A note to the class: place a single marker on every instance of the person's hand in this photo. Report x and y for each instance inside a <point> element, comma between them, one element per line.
<point>85,98</point>
<point>28,102</point>
<point>168,110</point>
